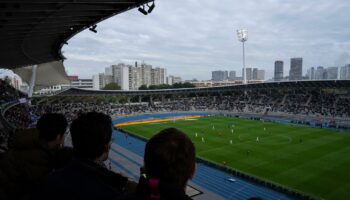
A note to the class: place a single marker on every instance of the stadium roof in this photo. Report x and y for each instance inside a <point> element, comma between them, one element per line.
<point>34,31</point>
<point>338,84</point>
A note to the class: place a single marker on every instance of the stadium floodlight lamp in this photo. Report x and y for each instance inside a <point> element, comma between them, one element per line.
<point>142,10</point>
<point>151,7</point>
<point>242,35</point>
<point>93,28</point>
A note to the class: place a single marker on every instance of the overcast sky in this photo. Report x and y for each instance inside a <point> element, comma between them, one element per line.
<point>191,38</point>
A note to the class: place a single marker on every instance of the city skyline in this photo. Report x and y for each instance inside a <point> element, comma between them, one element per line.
<point>132,77</point>
<point>191,44</point>
<point>338,73</point>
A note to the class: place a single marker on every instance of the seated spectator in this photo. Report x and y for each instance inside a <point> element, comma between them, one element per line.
<point>32,158</point>
<point>87,177</point>
<point>169,163</point>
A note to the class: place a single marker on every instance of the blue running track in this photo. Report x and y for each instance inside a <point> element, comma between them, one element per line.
<point>207,177</point>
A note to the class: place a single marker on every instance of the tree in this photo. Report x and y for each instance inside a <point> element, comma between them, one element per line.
<point>7,80</point>
<point>164,86</point>
<point>188,85</point>
<point>143,87</point>
<point>183,85</point>
<point>112,86</point>
<point>167,86</point>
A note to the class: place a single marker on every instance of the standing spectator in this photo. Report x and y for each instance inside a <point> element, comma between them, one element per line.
<point>32,158</point>
<point>87,177</point>
<point>169,164</point>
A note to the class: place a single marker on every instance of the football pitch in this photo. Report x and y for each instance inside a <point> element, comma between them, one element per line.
<point>312,160</point>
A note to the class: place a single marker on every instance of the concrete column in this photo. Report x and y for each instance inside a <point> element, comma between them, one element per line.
<point>32,81</point>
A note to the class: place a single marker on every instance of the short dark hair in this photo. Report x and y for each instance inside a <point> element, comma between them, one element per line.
<point>51,125</point>
<point>90,133</point>
<point>170,157</point>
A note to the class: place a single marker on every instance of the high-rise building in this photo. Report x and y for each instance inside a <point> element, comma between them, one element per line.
<point>155,76</point>
<point>116,70</point>
<point>124,80</point>
<point>169,80</point>
<point>162,76</point>
<point>121,75</point>
<point>216,75</point>
<point>278,70</point>
<point>311,73</point>
<point>219,75</point>
<point>345,72</point>
<point>132,77</point>
<point>232,76</point>
<point>16,81</point>
<point>146,71</point>
<point>320,73</point>
<point>255,74</point>
<point>108,71</point>
<point>296,69</point>
<point>107,80</point>
<point>135,80</point>
<point>249,73</point>
<point>158,76</point>
<point>226,75</point>
<point>260,75</point>
<point>101,80</point>
<point>332,73</point>
<point>96,82</point>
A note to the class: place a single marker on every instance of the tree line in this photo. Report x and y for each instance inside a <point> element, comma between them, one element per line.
<point>115,86</point>
<point>167,86</point>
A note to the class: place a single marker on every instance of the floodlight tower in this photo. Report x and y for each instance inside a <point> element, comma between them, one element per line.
<point>242,35</point>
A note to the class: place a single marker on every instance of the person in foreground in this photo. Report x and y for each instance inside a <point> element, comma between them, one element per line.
<point>35,154</point>
<point>169,162</point>
<point>87,177</point>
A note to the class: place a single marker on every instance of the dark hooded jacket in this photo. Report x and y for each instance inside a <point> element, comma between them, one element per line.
<point>84,180</point>
<point>27,164</point>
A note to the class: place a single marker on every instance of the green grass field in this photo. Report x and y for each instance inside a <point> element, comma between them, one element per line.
<point>312,160</point>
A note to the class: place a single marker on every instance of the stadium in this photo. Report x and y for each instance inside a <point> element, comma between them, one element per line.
<point>273,140</point>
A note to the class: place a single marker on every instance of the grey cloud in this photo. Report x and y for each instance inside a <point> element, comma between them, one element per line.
<point>193,37</point>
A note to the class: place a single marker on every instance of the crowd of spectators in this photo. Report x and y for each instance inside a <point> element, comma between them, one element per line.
<point>41,167</point>
<point>308,105</point>
<point>312,103</point>
<point>8,93</point>
<point>19,116</point>
<point>71,110</point>
<point>327,105</point>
